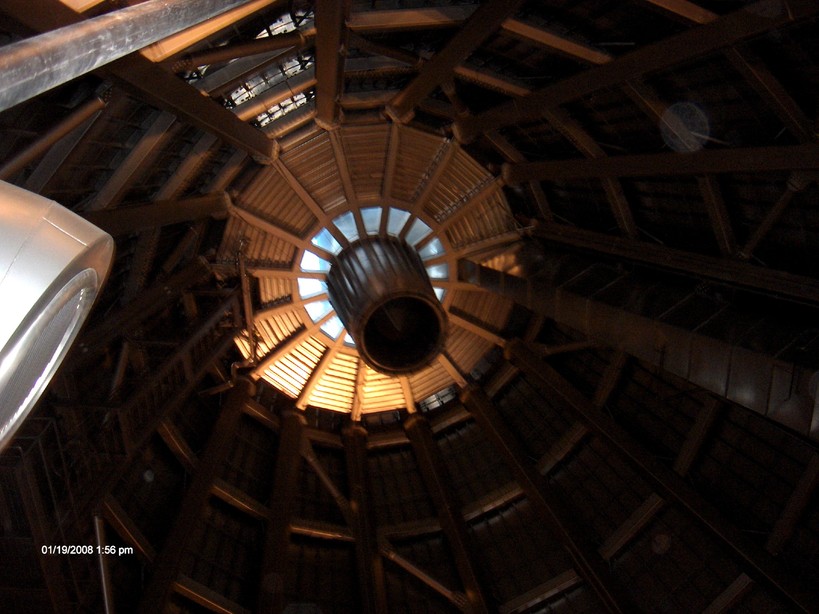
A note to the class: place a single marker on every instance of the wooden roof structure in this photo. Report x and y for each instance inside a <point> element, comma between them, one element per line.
<point>616,205</point>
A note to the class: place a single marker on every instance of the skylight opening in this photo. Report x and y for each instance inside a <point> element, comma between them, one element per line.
<point>346,225</point>
<point>432,249</point>
<point>417,231</point>
<point>438,271</point>
<point>309,287</point>
<point>282,109</point>
<point>326,241</point>
<point>372,219</point>
<point>397,219</point>
<point>311,262</point>
<point>332,327</point>
<point>439,292</point>
<point>318,309</point>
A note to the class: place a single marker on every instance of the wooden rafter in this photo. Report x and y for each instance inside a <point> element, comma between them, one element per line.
<point>688,45</point>
<point>481,24</point>
<point>330,17</point>
<point>737,160</point>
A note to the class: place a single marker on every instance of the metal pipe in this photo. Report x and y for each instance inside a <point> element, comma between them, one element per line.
<point>41,145</point>
<point>105,572</point>
<point>37,64</point>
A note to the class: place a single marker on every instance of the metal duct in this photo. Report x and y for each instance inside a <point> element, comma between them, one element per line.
<point>780,390</point>
<point>52,265</point>
<point>381,292</point>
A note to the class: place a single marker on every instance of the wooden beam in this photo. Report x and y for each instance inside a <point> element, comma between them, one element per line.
<point>635,523</point>
<point>697,436</point>
<point>482,23</point>
<point>126,528</point>
<point>768,222</point>
<point>138,155</point>
<point>738,160</point>
<point>409,19</point>
<point>688,263</point>
<point>282,504</point>
<point>575,540</point>
<point>477,328</point>
<point>455,597</point>
<point>330,17</point>
<point>542,592</point>
<point>728,599</point>
<point>718,214</point>
<point>166,567</point>
<point>369,564</point>
<point>748,22</point>
<point>795,507</point>
<point>175,441</point>
<point>240,500</point>
<point>557,42</point>
<point>439,486</point>
<point>206,597</point>
<point>125,220</point>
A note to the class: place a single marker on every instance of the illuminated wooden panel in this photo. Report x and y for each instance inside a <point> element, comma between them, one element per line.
<point>314,166</point>
<point>271,197</point>
<point>416,150</point>
<point>365,150</point>
<point>336,389</point>
<point>380,392</point>
<point>290,372</point>
<point>463,177</point>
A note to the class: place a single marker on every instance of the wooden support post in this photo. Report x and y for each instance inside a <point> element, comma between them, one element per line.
<point>439,486</point>
<point>372,582</point>
<point>282,505</point>
<point>169,559</point>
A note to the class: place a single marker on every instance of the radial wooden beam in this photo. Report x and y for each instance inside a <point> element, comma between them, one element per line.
<point>688,263</point>
<point>126,172</point>
<point>667,483</point>
<point>330,16</point>
<point>560,521</point>
<point>282,505</point>
<point>511,154</point>
<point>318,372</point>
<point>125,220</point>
<point>773,93</point>
<point>126,528</point>
<point>166,568</point>
<point>750,21</point>
<point>439,486</point>
<point>584,143</point>
<point>553,587</point>
<point>293,341</point>
<point>481,24</point>
<point>370,566</point>
<point>558,42</point>
<point>737,160</point>
<point>457,598</point>
<point>718,214</point>
<point>477,328</point>
<point>272,229</point>
<point>756,74</point>
<point>768,222</point>
<point>795,507</point>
